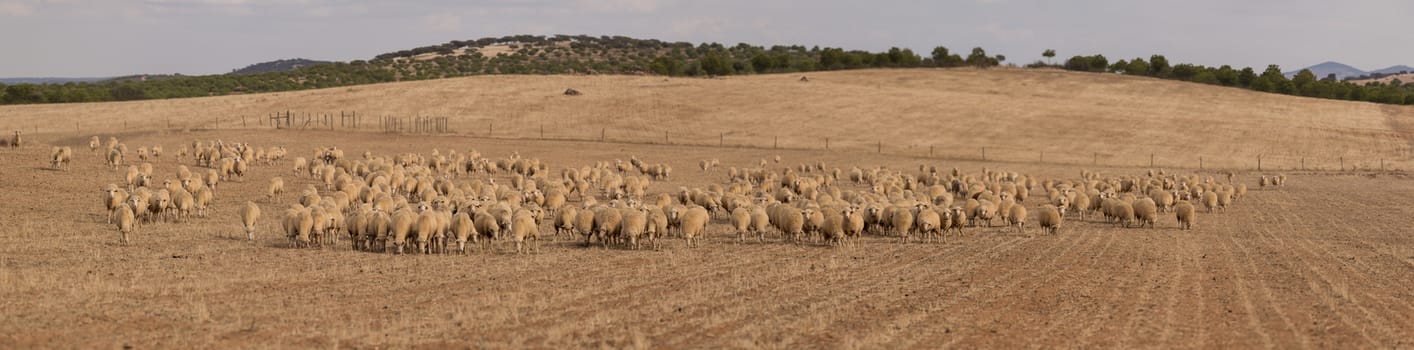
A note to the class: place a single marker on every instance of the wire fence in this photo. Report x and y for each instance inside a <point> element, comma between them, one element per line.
<point>566,129</point>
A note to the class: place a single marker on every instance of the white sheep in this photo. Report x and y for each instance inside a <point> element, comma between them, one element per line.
<point>1050,219</point>
<point>249,214</point>
<point>59,157</point>
<point>694,224</point>
<point>127,222</point>
<point>1184,212</point>
<point>1017,218</point>
<point>1146,211</point>
<point>276,188</point>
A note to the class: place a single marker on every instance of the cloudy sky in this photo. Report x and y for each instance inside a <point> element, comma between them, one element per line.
<point>88,38</point>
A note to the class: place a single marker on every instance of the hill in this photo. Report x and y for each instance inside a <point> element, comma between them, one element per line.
<point>278,66</point>
<point>1016,113</point>
<point>1325,69</point>
<point>1399,69</point>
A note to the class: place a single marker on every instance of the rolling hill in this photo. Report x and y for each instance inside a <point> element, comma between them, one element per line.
<point>1017,114</point>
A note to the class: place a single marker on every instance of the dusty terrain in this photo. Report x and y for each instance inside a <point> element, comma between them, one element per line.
<point>1323,262</point>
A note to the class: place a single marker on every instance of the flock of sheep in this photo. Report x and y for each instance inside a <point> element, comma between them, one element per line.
<point>450,202</point>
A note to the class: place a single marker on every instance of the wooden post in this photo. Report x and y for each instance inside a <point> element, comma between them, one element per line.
<point>984,154</point>
<point>665,137</point>
<point>1303,163</point>
<point>1342,163</point>
<point>880,148</point>
<point>1151,160</point>
<point>930,150</point>
<point>777,143</point>
<point>542,131</point>
<point>242,120</point>
<point>1097,158</point>
<point>488,128</point>
<point>602,132</point>
<point>1382,164</point>
<point>1042,159</point>
<point>721,139</point>
<point>827,143</point>
<point>1259,162</point>
<point>1200,162</point>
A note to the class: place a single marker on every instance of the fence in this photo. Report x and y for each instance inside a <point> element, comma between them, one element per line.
<point>577,129</point>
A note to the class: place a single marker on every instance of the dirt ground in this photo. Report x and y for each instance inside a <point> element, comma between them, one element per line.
<point>1324,262</point>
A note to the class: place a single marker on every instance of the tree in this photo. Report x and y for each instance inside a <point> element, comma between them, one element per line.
<point>1226,76</point>
<point>762,63</point>
<point>715,64</point>
<point>979,58</point>
<point>1048,54</point>
<point>1137,66</point>
<point>1246,76</point>
<point>1118,66</point>
<point>1159,66</point>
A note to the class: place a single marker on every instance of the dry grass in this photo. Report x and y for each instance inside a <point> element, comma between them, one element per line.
<point>1324,262</point>
<point>1019,115</point>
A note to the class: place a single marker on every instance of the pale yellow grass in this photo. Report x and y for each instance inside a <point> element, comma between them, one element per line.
<point>1018,115</point>
<point>1406,78</point>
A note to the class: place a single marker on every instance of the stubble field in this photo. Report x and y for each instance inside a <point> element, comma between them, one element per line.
<point>1323,262</point>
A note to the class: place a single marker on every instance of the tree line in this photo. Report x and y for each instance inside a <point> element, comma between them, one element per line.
<point>1271,79</point>
<point>583,54</point>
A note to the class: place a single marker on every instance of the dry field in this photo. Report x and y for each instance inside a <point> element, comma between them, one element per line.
<point>1324,262</point>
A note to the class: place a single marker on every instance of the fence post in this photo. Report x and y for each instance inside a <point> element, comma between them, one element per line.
<point>721,139</point>
<point>1097,158</point>
<point>665,137</point>
<point>1303,163</point>
<point>984,154</point>
<point>488,128</point>
<point>1342,163</point>
<point>1259,162</point>
<point>827,143</point>
<point>1382,164</point>
<point>602,132</point>
<point>1043,157</point>
<point>1200,162</point>
<point>881,147</point>
<point>1151,160</point>
<point>242,120</point>
<point>777,143</point>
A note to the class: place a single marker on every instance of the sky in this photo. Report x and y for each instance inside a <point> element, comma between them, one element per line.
<point>78,38</point>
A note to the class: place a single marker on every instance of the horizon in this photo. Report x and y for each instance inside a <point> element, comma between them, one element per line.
<point>218,36</point>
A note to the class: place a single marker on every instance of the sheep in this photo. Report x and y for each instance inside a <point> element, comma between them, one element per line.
<point>276,188</point>
<point>1210,200</point>
<point>183,202</point>
<point>1121,211</point>
<point>1146,211</point>
<point>790,221</point>
<point>902,223</point>
<point>202,200</point>
<point>1163,199</point>
<point>17,140</point>
<point>249,214</point>
<point>607,222</point>
<point>401,226</point>
<point>656,228</point>
<point>114,158</point>
<point>760,222</point>
<point>1050,219</point>
<point>928,223</point>
<point>462,229</point>
<point>584,222</point>
<point>634,222</point>
<point>59,157</point>
<point>694,223</point>
<point>984,211</point>
<point>486,225</point>
<point>523,228</point>
<point>113,199</point>
<point>1017,218</point>
<point>212,178</point>
<point>740,218</point>
<point>297,225</point>
<point>833,228</point>
<point>425,228</point>
<point>93,144</point>
<point>301,165</point>
<point>1184,212</point>
<point>564,221</point>
<point>126,222</point>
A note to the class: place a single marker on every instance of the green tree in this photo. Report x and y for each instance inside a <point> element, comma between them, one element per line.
<point>1048,54</point>
<point>715,64</point>
<point>1246,76</point>
<point>1159,66</point>
<point>1137,66</point>
<point>762,62</point>
<point>979,58</point>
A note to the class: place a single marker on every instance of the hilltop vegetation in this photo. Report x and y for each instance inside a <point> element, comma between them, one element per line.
<point>522,54</point>
<point>582,54</point>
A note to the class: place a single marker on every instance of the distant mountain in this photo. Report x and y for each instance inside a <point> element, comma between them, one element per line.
<point>1340,70</point>
<point>12,81</point>
<point>1395,70</point>
<point>278,66</point>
